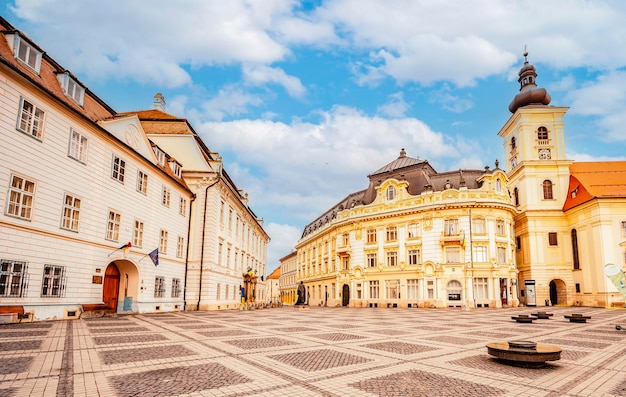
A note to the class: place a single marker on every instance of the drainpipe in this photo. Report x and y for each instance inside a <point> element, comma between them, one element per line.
<point>193,198</point>
<point>206,199</point>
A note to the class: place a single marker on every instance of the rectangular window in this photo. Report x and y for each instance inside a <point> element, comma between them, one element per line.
<point>218,292</point>
<point>228,250</point>
<point>480,253</point>
<point>371,236</point>
<point>21,197</point>
<point>221,213</point>
<point>501,255</point>
<point>12,279</point>
<point>392,258</point>
<point>220,249</point>
<point>453,255</point>
<point>78,146</point>
<point>166,196</point>
<point>163,242</point>
<point>346,239</point>
<point>345,263</point>
<point>430,289</point>
<point>372,260</point>
<point>413,230</point>
<point>159,287</point>
<point>182,207</point>
<point>138,234</point>
<point>415,257</point>
<point>53,283</point>
<point>180,247</point>
<point>451,227</point>
<point>142,182</point>
<point>552,240</point>
<point>411,289</point>
<point>392,289</point>
<point>176,289</point>
<point>27,53</point>
<point>113,226</point>
<point>392,233</point>
<point>478,226</point>
<point>118,169</point>
<point>30,119</point>
<point>500,227</point>
<point>374,289</point>
<point>71,213</point>
<point>518,242</point>
<point>623,228</point>
<point>480,288</point>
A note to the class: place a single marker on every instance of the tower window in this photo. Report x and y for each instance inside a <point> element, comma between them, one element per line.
<point>552,239</point>
<point>542,133</point>
<point>516,196</point>
<point>513,143</point>
<point>547,190</point>
<point>575,250</point>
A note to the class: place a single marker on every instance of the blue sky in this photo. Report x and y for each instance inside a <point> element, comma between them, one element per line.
<point>304,99</point>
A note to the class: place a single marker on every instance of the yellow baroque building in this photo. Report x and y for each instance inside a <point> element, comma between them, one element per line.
<point>538,232</point>
<point>414,238</point>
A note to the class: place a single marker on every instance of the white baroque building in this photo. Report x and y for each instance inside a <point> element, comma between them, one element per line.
<point>98,214</point>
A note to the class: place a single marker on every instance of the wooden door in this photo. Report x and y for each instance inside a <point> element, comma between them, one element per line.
<point>111,288</point>
<point>345,295</point>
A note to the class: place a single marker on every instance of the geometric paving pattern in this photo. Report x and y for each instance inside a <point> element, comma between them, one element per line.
<point>175,381</point>
<point>421,383</point>
<point>15,365</point>
<point>400,347</point>
<point>259,343</point>
<point>330,352</point>
<point>144,353</point>
<point>319,360</point>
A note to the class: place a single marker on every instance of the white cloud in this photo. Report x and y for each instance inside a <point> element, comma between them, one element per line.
<point>261,74</point>
<point>229,101</point>
<point>395,107</point>
<point>450,102</point>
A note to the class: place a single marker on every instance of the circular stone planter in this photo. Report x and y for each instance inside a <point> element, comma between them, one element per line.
<point>524,353</point>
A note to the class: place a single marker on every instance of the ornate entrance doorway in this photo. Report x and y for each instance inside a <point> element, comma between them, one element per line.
<point>345,295</point>
<point>111,287</point>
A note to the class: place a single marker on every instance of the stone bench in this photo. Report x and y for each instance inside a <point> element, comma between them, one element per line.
<point>524,353</point>
<point>577,318</point>
<point>542,315</point>
<point>523,318</point>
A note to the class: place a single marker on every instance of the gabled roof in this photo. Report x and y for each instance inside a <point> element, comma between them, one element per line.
<point>595,180</point>
<point>275,275</point>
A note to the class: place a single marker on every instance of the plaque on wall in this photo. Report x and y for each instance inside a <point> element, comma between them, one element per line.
<point>97,280</point>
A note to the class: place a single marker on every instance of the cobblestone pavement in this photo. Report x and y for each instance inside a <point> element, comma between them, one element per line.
<point>312,352</point>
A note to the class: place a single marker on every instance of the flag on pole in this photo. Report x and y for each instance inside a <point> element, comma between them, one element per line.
<point>127,245</point>
<point>154,255</point>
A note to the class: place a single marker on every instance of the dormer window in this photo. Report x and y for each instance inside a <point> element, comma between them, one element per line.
<point>391,193</point>
<point>25,52</point>
<point>159,155</point>
<point>72,88</point>
<point>177,169</point>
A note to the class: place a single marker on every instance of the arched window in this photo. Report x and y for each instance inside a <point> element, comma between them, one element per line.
<point>391,193</point>
<point>542,133</point>
<point>575,250</point>
<point>516,196</point>
<point>513,143</point>
<point>498,186</point>
<point>547,190</point>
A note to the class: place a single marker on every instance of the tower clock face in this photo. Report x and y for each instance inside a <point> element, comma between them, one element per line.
<point>544,154</point>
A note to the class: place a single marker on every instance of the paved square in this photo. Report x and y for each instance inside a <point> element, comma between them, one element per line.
<point>315,352</point>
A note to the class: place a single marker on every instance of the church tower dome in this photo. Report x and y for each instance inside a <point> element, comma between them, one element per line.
<point>529,93</point>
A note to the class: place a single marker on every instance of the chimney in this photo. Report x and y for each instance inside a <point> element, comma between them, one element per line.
<point>159,102</point>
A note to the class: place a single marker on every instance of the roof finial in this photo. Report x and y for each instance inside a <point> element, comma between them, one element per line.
<point>402,153</point>
<point>525,55</point>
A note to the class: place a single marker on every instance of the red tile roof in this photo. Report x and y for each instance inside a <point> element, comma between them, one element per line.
<point>593,180</point>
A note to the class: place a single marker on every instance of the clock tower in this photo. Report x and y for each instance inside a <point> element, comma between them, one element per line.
<point>539,173</point>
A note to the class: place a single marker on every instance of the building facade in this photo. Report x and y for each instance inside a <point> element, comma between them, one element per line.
<point>228,245</point>
<point>414,238</point>
<point>288,278</point>
<point>84,202</point>
<point>571,218</point>
<point>118,212</point>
